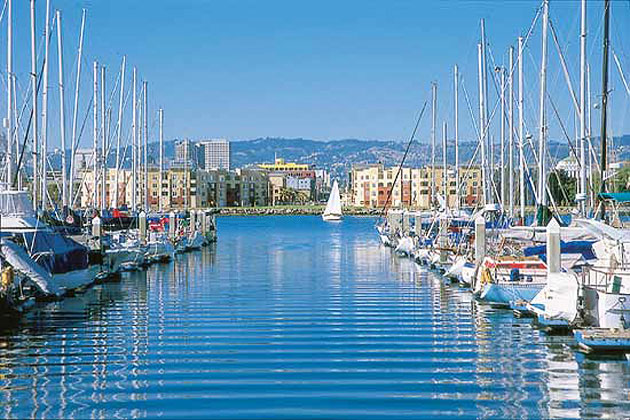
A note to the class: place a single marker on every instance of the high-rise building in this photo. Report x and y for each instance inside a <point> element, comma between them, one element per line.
<point>216,154</point>
<point>188,153</point>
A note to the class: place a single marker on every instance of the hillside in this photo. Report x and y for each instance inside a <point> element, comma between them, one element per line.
<point>338,156</point>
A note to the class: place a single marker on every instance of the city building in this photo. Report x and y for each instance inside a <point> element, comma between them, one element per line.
<point>189,153</point>
<point>216,154</point>
<point>181,188</point>
<point>280,165</point>
<point>570,166</point>
<point>373,186</point>
<point>297,177</point>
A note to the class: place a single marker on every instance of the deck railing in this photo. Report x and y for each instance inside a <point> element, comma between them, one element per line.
<point>605,279</point>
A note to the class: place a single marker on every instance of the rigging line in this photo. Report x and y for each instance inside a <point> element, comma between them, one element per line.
<point>83,124</point>
<point>402,161</point>
<point>470,110</point>
<point>28,129</point>
<point>565,69</point>
<point>26,99</point>
<point>4,8</point>
<point>623,77</point>
<point>525,44</point>
<point>562,126</point>
<point>98,176</point>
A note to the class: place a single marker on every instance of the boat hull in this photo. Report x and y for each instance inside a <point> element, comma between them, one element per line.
<point>504,293</point>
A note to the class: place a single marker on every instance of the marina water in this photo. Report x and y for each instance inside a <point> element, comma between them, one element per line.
<point>292,317</point>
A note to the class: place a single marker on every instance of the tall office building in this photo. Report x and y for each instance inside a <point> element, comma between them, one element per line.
<point>216,154</point>
<point>188,153</point>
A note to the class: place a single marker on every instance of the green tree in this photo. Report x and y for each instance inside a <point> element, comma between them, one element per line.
<point>562,188</point>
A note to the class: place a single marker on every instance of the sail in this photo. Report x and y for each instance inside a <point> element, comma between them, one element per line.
<point>333,206</point>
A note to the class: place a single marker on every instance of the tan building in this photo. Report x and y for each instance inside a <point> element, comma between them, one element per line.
<point>373,186</point>
<point>181,188</point>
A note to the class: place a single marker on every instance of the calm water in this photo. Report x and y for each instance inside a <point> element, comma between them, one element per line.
<point>289,317</point>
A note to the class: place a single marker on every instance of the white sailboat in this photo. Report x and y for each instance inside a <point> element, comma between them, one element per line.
<point>333,207</point>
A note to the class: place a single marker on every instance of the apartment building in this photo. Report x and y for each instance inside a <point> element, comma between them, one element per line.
<point>374,185</point>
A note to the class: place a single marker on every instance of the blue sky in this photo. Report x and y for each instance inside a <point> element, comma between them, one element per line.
<point>320,69</point>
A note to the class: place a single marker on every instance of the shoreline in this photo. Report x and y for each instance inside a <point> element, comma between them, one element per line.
<point>291,211</point>
<point>317,211</point>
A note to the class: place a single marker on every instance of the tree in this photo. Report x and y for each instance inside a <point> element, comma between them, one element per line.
<point>562,187</point>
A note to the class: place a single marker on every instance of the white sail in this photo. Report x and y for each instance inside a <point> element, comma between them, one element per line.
<point>333,207</point>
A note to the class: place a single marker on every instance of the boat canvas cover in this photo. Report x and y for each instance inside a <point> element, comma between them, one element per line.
<point>405,245</point>
<point>620,197</point>
<point>584,248</point>
<point>20,260</point>
<point>559,296</point>
<point>55,252</point>
<point>333,207</point>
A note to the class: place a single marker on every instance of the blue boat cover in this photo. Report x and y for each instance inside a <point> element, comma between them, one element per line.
<point>585,248</point>
<point>621,197</point>
<point>58,253</point>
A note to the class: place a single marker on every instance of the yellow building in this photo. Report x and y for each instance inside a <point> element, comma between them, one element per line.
<point>280,165</point>
<point>373,186</point>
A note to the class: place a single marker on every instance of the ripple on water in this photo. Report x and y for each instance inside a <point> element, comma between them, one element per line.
<point>290,317</point>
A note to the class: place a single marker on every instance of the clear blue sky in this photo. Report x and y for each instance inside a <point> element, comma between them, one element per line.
<point>319,69</point>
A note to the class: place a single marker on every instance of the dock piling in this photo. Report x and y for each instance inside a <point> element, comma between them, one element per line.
<point>172,224</point>
<point>142,224</point>
<point>553,247</point>
<point>480,239</point>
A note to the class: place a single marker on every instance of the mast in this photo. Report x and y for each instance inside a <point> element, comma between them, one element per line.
<point>456,128</point>
<point>521,133</point>
<point>134,142</point>
<point>433,125</point>
<point>589,131</point>
<point>604,127</point>
<point>34,99</point>
<point>95,139</point>
<point>488,163</point>
<point>482,128</point>
<point>502,131</point>
<point>16,130</point>
<point>103,143</point>
<point>511,128</point>
<point>542,170</point>
<point>444,163</point>
<point>145,120</point>
<point>34,93</point>
<point>62,117</point>
<point>116,198</point>
<point>9,95</point>
<point>582,189</point>
<point>44,152</point>
<point>140,141</point>
<point>161,118</point>
<point>75,110</point>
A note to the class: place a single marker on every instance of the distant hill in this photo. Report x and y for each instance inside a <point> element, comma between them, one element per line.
<point>338,156</point>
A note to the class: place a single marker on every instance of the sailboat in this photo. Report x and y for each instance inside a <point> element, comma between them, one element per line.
<point>333,206</point>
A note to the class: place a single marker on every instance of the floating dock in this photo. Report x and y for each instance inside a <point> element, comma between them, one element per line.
<point>603,340</point>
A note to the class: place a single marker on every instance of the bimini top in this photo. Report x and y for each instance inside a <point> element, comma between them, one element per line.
<point>16,203</point>
<point>621,197</point>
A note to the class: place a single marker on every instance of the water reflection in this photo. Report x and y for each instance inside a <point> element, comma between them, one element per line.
<point>292,317</point>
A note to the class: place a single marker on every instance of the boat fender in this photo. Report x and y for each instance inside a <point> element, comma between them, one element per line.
<point>7,277</point>
<point>515,274</point>
<point>486,278</point>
